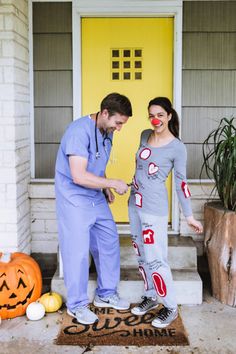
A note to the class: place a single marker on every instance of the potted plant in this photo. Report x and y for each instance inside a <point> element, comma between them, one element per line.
<point>219,156</point>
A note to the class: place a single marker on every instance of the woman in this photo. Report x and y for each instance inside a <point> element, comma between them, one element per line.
<point>160,151</point>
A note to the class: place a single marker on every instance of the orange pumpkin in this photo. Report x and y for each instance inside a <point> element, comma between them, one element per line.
<point>20,283</point>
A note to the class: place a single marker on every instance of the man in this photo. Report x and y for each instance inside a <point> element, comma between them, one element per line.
<point>84,218</point>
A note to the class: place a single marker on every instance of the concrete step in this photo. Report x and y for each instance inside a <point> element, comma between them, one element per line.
<point>182,253</point>
<point>188,286</point>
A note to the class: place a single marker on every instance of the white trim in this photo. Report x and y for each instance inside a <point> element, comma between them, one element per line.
<point>126,8</point>
<point>31,91</point>
<point>124,229</point>
<point>51,0</point>
<point>76,50</point>
<point>42,180</point>
<point>177,95</point>
<point>201,181</point>
<point>130,8</point>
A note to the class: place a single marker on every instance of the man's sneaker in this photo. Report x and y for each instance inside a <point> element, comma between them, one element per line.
<point>113,301</point>
<point>146,305</point>
<point>164,317</point>
<point>83,315</point>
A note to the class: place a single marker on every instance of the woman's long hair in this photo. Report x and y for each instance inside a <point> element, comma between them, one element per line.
<point>165,103</point>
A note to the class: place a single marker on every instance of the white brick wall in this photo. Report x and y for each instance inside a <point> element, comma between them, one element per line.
<point>43,218</point>
<point>44,225</point>
<point>14,127</point>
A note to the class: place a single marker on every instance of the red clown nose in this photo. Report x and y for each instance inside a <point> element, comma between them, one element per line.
<point>155,121</point>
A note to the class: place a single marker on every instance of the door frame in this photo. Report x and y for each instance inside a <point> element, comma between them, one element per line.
<point>130,8</point>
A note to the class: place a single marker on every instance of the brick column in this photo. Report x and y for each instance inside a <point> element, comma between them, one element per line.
<point>14,127</point>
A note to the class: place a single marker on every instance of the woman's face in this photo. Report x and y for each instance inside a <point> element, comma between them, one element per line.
<point>159,118</point>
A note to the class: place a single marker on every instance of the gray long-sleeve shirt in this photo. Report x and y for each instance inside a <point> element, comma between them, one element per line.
<point>153,165</point>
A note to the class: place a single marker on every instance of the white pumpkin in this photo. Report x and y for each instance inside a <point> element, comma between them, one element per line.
<point>35,311</point>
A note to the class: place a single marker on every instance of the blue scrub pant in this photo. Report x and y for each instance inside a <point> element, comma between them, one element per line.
<point>88,226</point>
<point>150,242</point>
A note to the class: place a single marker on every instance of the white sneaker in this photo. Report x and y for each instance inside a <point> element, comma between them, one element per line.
<point>83,315</point>
<point>146,305</point>
<point>113,301</point>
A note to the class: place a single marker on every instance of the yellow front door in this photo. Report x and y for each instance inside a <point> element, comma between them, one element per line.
<point>132,56</point>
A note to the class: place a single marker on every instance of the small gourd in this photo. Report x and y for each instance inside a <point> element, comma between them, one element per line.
<point>35,311</point>
<point>51,301</point>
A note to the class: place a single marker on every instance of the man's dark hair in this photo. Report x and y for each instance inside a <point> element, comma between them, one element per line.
<point>116,103</point>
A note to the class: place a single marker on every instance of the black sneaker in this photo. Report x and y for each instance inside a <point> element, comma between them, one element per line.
<point>164,317</point>
<point>146,305</point>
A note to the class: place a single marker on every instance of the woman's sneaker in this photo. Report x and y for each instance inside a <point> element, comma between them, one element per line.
<point>165,317</point>
<point>146,305</point>
<point>83,315</point>
<point>113,301</point>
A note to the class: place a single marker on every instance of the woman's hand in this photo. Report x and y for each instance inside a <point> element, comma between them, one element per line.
<point>109,195</point>
<point>194,224</point>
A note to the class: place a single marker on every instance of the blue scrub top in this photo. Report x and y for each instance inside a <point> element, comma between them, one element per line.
<point>79,140</point>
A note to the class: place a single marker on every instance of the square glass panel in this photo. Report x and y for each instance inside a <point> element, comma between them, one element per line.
<point>138,76</point>
<point>138,52</point>
<point>115,76</point>
<point>115,53</point>
<point>126,53</point>
<point>137,64</point>
<point>126,76</point>
<point>126,64</point>
<point>115,64</point>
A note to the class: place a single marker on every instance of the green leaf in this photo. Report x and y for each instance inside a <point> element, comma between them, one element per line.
<point>219,160</point>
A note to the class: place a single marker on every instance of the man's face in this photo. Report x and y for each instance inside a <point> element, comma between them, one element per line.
<point>114,122</point>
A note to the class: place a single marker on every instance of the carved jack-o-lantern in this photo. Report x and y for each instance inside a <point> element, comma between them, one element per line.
<point>20,283</point>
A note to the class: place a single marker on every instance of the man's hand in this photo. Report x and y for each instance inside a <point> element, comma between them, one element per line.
<point>194,224</point>
<point>80,175</point>
<point>109,195</point>
<point>120,186</point>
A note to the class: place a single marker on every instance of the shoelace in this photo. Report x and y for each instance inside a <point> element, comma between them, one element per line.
<point>164,313</point>
<point>145,302</point>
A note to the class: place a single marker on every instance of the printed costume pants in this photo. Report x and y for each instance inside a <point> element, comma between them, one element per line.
<point>150,242</point>
<point>88,226</point>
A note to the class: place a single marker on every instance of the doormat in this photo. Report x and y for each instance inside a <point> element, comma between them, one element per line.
<point>116,327</point>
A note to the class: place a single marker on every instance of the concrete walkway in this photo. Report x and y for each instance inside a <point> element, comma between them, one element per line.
<point>211,328</point>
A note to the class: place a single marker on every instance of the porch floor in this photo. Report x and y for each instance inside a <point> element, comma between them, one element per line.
<point>211,328</point>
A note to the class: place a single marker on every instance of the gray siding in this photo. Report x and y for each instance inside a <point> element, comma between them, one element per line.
<point>209,73</point>
<point>209,76</point>
<point>52,52</point>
